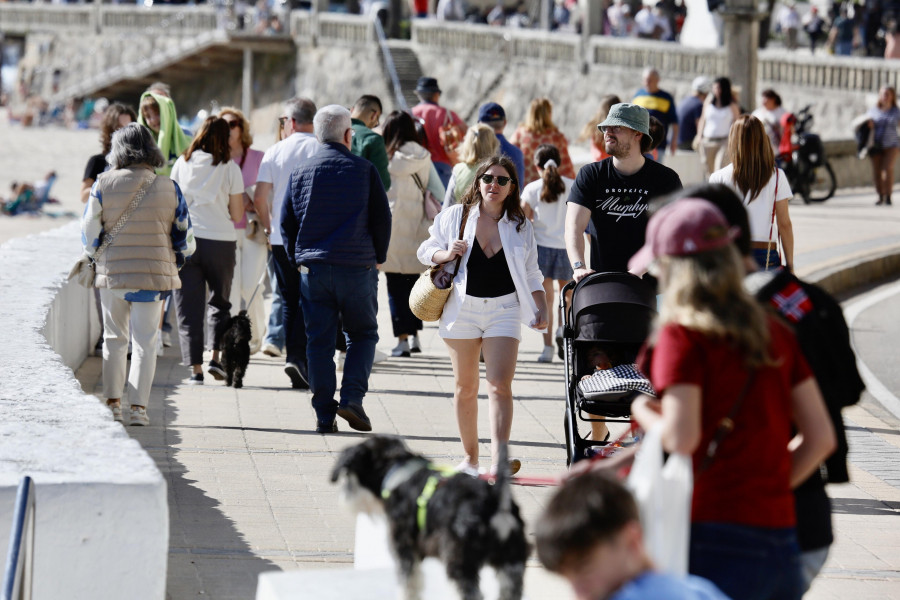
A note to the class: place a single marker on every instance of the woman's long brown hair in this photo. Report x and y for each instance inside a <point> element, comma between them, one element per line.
<point>212,137</point>
<point>512,205</point>
<point>751,154</point>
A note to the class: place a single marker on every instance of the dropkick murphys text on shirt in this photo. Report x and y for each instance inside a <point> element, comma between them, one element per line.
<point>624,202</point>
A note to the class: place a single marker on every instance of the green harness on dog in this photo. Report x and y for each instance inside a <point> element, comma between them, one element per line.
<point>399,474</point>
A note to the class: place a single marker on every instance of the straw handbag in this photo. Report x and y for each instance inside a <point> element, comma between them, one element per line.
<point>431,290</point>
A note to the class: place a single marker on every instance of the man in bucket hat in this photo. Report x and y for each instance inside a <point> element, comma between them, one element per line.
<point>614,193</point>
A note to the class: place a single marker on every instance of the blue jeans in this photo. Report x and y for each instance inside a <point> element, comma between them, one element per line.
<point>760,255</point>
<point>275,329</point>
<point>444,171</point>
<point>293,321</point>
<point>748,563</point>
<point>351,293</point>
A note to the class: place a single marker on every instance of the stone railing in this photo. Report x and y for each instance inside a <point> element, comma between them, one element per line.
<point>669,58</point>
<point>342,29</point>
<point>170,19</point>
<point>25,18</point>
<point>497,41</point>
<point>844,72</point>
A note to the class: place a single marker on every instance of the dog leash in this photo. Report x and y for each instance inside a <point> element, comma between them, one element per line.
<point>262,280</point>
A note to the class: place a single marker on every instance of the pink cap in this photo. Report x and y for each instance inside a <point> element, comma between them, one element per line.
<point>684,227</point>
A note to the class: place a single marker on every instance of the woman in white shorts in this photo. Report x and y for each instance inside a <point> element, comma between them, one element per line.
<point>498,287</point>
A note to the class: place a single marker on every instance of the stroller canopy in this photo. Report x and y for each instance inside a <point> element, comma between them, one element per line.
<point>613,307</point>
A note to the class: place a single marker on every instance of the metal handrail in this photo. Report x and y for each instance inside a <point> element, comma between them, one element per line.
<point>391,68</point>
<point>18,575</point>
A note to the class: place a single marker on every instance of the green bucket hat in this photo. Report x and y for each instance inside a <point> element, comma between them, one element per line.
<point>628,115</point>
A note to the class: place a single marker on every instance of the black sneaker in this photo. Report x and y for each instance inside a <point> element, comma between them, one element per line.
<point>216,370</point>
<point>195,379</point>
<point>560,348</point>
<point>355,416</point>
<point>325,427</point>
<point>299,380</point>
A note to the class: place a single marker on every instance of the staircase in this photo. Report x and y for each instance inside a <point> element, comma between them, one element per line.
<point>408,69</point>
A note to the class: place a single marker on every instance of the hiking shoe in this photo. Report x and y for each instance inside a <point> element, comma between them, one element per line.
<point>402,349</point>
<point>355,416</point>
<point>414,347</point>
<point>116,412</point>
<point>271,350</point>
<point>299,380</point>
<point>195,379</point>
<point>326,427</point>
<point>547,355</point>
<point>216,370</point>
<point>139,416</point>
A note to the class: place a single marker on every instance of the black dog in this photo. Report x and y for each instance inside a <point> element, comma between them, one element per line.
<point>236,349</point>
<point>465,522</point>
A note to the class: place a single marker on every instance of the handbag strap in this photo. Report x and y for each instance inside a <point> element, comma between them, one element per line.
<point>418,181</point>
<point>725,426</point>
<point>126,214</point>
<point>462,228</point>
<point>772,223</point>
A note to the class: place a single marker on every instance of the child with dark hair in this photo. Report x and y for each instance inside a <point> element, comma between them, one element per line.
<point>590,534</point>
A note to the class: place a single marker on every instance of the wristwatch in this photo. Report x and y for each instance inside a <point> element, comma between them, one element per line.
<point>578,265</point>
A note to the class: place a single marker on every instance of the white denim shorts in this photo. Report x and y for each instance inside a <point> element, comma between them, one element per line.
<point>486,317</point>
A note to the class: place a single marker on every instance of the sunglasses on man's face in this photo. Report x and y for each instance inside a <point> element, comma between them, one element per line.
<point>282,121</point>
<point>488,179</point>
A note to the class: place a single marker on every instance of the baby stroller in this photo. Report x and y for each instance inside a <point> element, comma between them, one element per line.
<point>615,310</point>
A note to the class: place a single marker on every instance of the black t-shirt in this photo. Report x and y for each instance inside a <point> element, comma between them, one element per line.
<point>95,165</point>
<point>618,206</point>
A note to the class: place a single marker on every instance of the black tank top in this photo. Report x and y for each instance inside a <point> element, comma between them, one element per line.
<point>488,277</point>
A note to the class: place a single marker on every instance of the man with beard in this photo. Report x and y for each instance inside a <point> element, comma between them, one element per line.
<point>614,194</point>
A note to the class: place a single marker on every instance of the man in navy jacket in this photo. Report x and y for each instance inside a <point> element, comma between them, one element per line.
<point>336,226</point>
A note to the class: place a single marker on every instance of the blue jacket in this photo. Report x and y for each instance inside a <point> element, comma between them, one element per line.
<point>335,211</point>
<point>514,154</point>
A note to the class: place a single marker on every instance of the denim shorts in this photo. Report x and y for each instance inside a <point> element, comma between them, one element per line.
<point>486,317</point>
<point>554,263</point>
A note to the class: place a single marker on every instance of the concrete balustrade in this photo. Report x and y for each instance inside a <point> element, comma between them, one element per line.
<point>340,29</point>
<point>27,18</point>
<point>170,19</point>
<point>102,526</point>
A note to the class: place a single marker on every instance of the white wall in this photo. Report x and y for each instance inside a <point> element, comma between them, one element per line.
<point>101,514</point>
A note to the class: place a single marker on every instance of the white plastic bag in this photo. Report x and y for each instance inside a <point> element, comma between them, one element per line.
<point>663,494</point>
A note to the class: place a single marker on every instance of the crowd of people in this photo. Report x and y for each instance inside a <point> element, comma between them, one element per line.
<point>346,193</point>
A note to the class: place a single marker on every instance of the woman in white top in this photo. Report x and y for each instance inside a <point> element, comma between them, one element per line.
<point>719,112</point>
<point>213,187</point>
<point>498,287</point>
<point>544,204</point>
<point>770,113</point>
<point>763,187</point>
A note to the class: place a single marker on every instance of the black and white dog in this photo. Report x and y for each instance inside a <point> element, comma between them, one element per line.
<point>236,349</point>
<point>465,522</point>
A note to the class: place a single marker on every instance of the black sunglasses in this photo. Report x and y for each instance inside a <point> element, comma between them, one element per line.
<point>488,179</point>
<point>282,121</point>
<point>234,124</point>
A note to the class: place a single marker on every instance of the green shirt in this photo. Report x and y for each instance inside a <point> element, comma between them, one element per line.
<point>369,145</point>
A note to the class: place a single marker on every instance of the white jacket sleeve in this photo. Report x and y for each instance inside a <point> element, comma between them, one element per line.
<point>438,235</point>
<point>532,272</point>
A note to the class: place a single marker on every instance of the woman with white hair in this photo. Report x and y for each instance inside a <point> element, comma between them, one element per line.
<point>152,236</point>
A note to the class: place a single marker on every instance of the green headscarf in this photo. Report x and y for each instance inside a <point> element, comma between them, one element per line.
<point>171,140</point>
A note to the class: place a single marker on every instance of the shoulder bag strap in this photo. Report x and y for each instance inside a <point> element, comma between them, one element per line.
<point>772,223</point>
<point>462,228</point>
<point>129,210</point>
<point>418,181</point>
<point>725,426</point>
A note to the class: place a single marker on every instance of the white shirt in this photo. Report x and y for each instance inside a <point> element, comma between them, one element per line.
<point>759,212</point>
<point>519,249</point>
<point>772,120</point>
<point>206,189</point>
<point>549,218</point>
<point>277,164</point>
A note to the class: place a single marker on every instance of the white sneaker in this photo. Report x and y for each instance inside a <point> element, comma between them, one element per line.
<point>139,416</point>
<point>414,347</point>
<point>160,350</point>
<point>342,356</point>
<point>547,355</point>
<point>271,350</point>
<point>166,339</point>
<point>402,349</point>
<point>468,468</point>
<point>116,411</point>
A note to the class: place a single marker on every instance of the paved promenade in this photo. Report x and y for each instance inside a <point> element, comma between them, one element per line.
<point>248,478</point>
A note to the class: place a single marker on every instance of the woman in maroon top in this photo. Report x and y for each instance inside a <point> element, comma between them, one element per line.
<point>716,354</point>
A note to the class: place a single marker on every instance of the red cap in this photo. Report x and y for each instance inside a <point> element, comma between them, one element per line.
<point>684,227</point>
